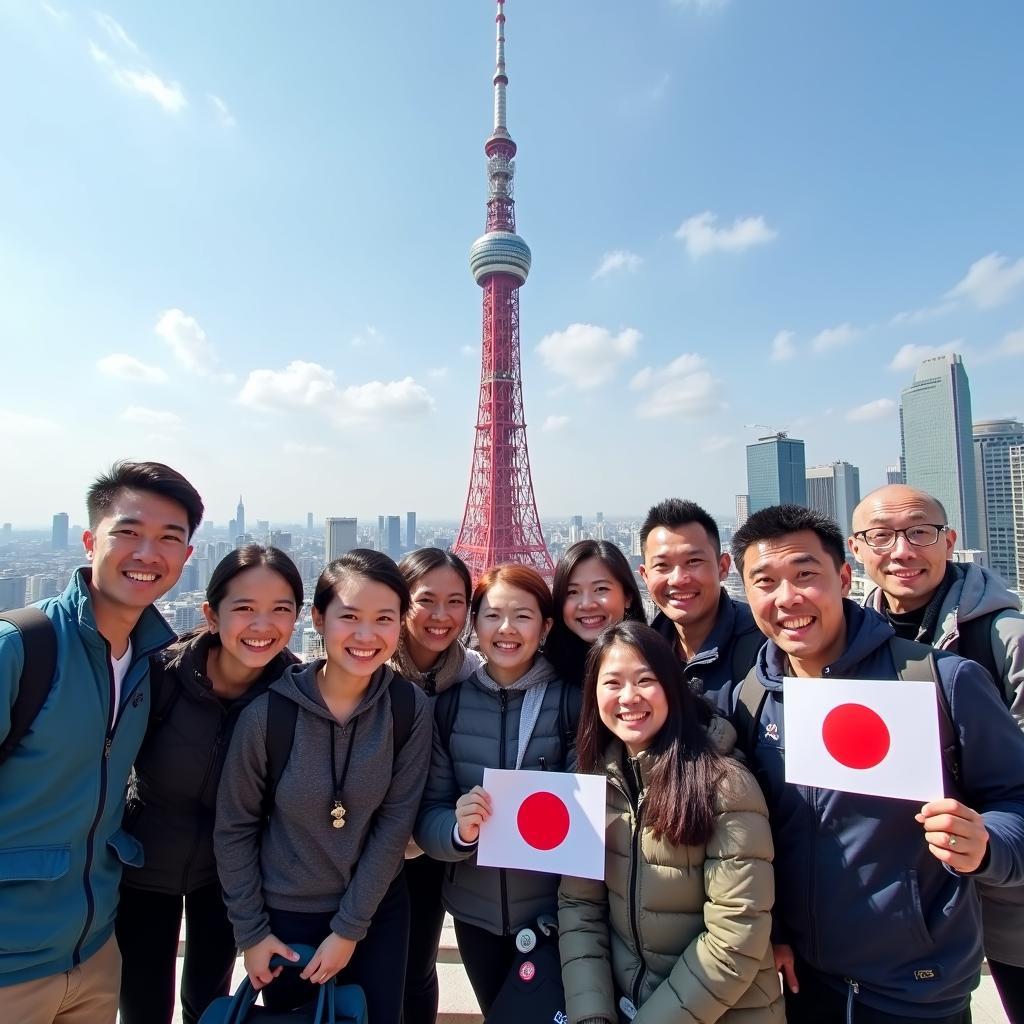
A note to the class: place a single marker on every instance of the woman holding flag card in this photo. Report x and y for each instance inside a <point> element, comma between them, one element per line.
<point>680,927</point>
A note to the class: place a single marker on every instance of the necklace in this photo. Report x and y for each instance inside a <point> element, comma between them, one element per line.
<point>338,808</point>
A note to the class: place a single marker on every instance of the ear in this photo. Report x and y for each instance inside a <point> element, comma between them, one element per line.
<point>854,545</point>
<point>724,562</point>
<point>211,617</point>
<point>642,569</point>
<point>318,620</point>
<point>89,543</point>
<point>950,541</point>
<point>846,578</point>
<point>545,630</point>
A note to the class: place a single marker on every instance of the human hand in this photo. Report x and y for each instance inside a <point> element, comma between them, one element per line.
<point>955,834</point>
<point>257,960</point>
<point>785,964</point>
<point>332,955</point>
<point>471,810</point>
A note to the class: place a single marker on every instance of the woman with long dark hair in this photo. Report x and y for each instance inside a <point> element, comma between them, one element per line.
<point>594,588</point>
<point>200,685</point>
<point>680,929</point>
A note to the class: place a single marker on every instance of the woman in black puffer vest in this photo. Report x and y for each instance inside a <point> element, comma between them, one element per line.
<point>199,687</point>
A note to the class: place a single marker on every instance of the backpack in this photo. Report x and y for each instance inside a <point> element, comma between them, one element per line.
<point>39,642</point>
<point>282,714</point>
<point>914,662</point>
<point>974,641</point>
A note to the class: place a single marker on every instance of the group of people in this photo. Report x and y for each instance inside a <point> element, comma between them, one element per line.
<point>338,804</point>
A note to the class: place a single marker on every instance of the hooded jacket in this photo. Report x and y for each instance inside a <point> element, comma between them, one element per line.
<point>684,932</point>
<point>858,895</point>
<point>485,734</point>
<point>62,790</point>
<point>296,860</point>
<point>172,794</point>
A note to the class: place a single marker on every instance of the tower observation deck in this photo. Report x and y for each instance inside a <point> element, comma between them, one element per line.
<point>500,522</point>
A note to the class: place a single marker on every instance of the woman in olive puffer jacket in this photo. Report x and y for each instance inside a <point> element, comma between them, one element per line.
<point>680,929</point>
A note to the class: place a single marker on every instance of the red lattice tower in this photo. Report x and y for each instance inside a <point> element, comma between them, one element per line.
<point>500,523</point>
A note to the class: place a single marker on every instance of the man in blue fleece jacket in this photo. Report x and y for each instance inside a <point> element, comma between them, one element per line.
<point>877,920</point>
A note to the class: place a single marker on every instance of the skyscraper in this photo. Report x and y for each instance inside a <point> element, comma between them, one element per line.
<point>835,491</point>
<point>894,474</point>
<point>1015,457</point>
<point>309,521</point>
<point>410,531</point>
<point>59,533</point>
<point>393,537</point>
<point>239,519</point>
<point>339,536</point>
<point>500,522</point>
<point>742,509</point>
<point>993,440</point>
<point>381,529</point>
<point>938,448</point>
<point>776,472</point>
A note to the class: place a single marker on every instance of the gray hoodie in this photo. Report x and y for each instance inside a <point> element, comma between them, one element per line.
<point>297,860</point>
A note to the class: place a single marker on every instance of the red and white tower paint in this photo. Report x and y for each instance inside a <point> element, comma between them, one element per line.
<point>500,523</point>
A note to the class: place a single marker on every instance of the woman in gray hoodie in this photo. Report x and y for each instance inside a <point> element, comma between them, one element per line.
<point>316,860</point>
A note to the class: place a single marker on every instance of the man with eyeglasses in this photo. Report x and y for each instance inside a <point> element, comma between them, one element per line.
<point>901,536</point>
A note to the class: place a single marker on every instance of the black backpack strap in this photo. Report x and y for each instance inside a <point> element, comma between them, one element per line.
<point>975,642</point>
<point>403,711</point>
<point>569,703</point>
<point>745,648</point>
<point>39,643</point>
<point>281,717</point>
<point>747,716</point>
<point>916,662</point>
<point>445,712</point>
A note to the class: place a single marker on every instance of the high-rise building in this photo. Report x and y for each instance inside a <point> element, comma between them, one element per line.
<point>993,440</point>
<point>393,536</point>
<point>938,448</point>
<point>742,509</point>
<point>59,533</point>
<point>500,522</point>
<point>12,592</point>
<point>894,474</point>
<point>410,531</point>
<point>1016,459</point>
<point>340,536</point>
<point>232,531</point>
<point>239,519</point>
<point>575,529</point>
<point>281,539</point>
<point>309,521</point>
<point>834,490</point>
<point>776,473</point>
<point>6,532</point>
<point>381,531</point>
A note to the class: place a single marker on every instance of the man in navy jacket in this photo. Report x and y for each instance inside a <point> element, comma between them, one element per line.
<point>876,917</point>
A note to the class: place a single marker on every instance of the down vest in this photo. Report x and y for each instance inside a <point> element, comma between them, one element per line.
<point>683,932</point>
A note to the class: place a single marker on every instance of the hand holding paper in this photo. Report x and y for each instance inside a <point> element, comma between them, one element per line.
<point>471,810</point>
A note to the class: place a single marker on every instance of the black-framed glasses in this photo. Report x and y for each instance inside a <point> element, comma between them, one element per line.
<point>924,535</point>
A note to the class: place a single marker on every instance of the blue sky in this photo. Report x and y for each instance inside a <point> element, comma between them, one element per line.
<point>235,238</point>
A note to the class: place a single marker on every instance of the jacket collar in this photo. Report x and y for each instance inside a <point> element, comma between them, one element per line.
<point>728,620</point>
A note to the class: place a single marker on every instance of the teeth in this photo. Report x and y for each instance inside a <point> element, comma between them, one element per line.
<point>141,577</point>
<point>505,645</point>
<point>796,623</point>
<point>591,620</point>
<point>257,643</point>
<point>632,716</point>
<point>683,597</point>
<point>360,652</point>
<point>436,631</point>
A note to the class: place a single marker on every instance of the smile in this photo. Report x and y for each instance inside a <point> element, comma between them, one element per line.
<point>438,631</point>
<point>633,717</point>
<point>797,623</point>
<point>141,577</point>
<point>590,620</point>
<point>506,645</point>
<point>362,653</point>
<point>906,574</point>
<point>257,645</point>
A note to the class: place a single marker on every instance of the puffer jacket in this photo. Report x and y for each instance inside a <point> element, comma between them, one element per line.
<point>683,932</point>
<point>485,734</point>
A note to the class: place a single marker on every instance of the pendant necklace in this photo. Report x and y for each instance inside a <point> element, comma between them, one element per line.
<point>338,807</point>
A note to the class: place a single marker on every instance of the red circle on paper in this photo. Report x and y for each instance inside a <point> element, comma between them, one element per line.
<point>543,821</point>
<point>855,736</point>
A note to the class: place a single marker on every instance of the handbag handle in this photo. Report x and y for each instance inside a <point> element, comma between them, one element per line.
<point>243,1000</point>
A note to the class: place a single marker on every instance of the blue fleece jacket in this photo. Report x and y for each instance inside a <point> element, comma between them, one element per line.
<point>858,895</point>
<point>62,791</point>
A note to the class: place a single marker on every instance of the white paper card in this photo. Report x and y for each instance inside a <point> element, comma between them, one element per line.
<point>544,821</point>
<point>879,737</point>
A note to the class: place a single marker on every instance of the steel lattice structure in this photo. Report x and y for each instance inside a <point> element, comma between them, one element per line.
<point>500,523</point>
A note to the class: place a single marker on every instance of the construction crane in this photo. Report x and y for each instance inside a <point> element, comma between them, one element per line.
<point>774,432</point>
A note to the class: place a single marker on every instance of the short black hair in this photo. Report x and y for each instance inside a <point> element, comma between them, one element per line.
<point>154,477</point>
<point>361,563</point>
<point>778,520</point>
<point>673,512</point>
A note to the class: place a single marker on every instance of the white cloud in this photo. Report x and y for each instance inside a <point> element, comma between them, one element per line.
<point>223,111</point>
<point>909,356</point>
<point>702,236</point>
<point>587,355</point>
<point>783,347</point>
<point>60,17</point>
<point>876,410</point>
<point>114,29</point>
<point>716,443</point>
<point>990,281</point>
<point>919,316</point>
<point>126,367</point>
<point>187,341</point>
<point>168,95</point>
<point>16,424</point>
<point>555,423</point>
<point>150,417</point>
<point>618,259</point>
<point>303,385</point>
<point>366,337</point>
<point>683,388</point>
<point>834,337</point>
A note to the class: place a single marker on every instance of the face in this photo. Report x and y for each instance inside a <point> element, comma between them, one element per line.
<point>255,618</point>
<point>360,626</point>
<point>684,573</point>
<point>796,595</point>
<point>437,614</point>
<point>907,574</point>
<point>137,550</point>
<point>594,599</point>
<point>630,699</point>
<point>510,628</point>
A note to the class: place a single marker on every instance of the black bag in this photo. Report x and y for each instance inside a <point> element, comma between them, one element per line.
<point>532,993</point>
<point>335,1004</point>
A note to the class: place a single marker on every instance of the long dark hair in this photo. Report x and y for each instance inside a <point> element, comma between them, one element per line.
<point>415,565</point>
<point>563,648</point>
<point>364,563</point>
<point>680,801</point>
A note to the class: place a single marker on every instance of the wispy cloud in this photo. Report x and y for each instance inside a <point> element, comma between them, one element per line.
<point>365,338</point>
<point>876,410</point>
<point>187,341</point>
<point>920,316</point>
<point>553,423</point>
<point>990,281</point>
<point>145,416</point>
<point>702,236</point>
<point>834,337</point>
<point>168,95</point>
<point>685,387</point>
<point>17,424</point>
<point>227,119</point>
<point>783,346</point>
<point>908,357</point>
<point>115,30</point>
<point>618,259</point>
<point>126,367</point>
<point>58,16</point>
<point>587,355</point>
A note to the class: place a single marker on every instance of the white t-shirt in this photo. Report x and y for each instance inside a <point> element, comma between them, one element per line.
<point>120,669</point>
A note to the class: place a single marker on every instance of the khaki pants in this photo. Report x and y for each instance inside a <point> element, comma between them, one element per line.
<point>86,994</point>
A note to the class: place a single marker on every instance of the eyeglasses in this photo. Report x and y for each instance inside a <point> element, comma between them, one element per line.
<point>922,536</point>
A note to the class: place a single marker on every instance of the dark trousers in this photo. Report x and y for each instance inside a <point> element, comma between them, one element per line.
<point>1010,986</point>
<point>819,1003</point>
<point>423,878</point>
<point>147,928</point>
<point>487,958</point>
<point>377,965</point>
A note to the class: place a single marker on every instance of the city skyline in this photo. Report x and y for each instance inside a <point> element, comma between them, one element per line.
<point>260,279</point>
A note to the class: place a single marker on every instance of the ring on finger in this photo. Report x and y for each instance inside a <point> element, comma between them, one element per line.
<point>951,840</point>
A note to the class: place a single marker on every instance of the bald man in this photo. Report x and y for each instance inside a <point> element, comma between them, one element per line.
<point>902,537</point>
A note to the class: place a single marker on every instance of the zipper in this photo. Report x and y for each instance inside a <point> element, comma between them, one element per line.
<point>634,870</point>
<point>502,875</point>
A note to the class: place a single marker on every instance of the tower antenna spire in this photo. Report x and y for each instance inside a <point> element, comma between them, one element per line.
<point>500,77</point>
